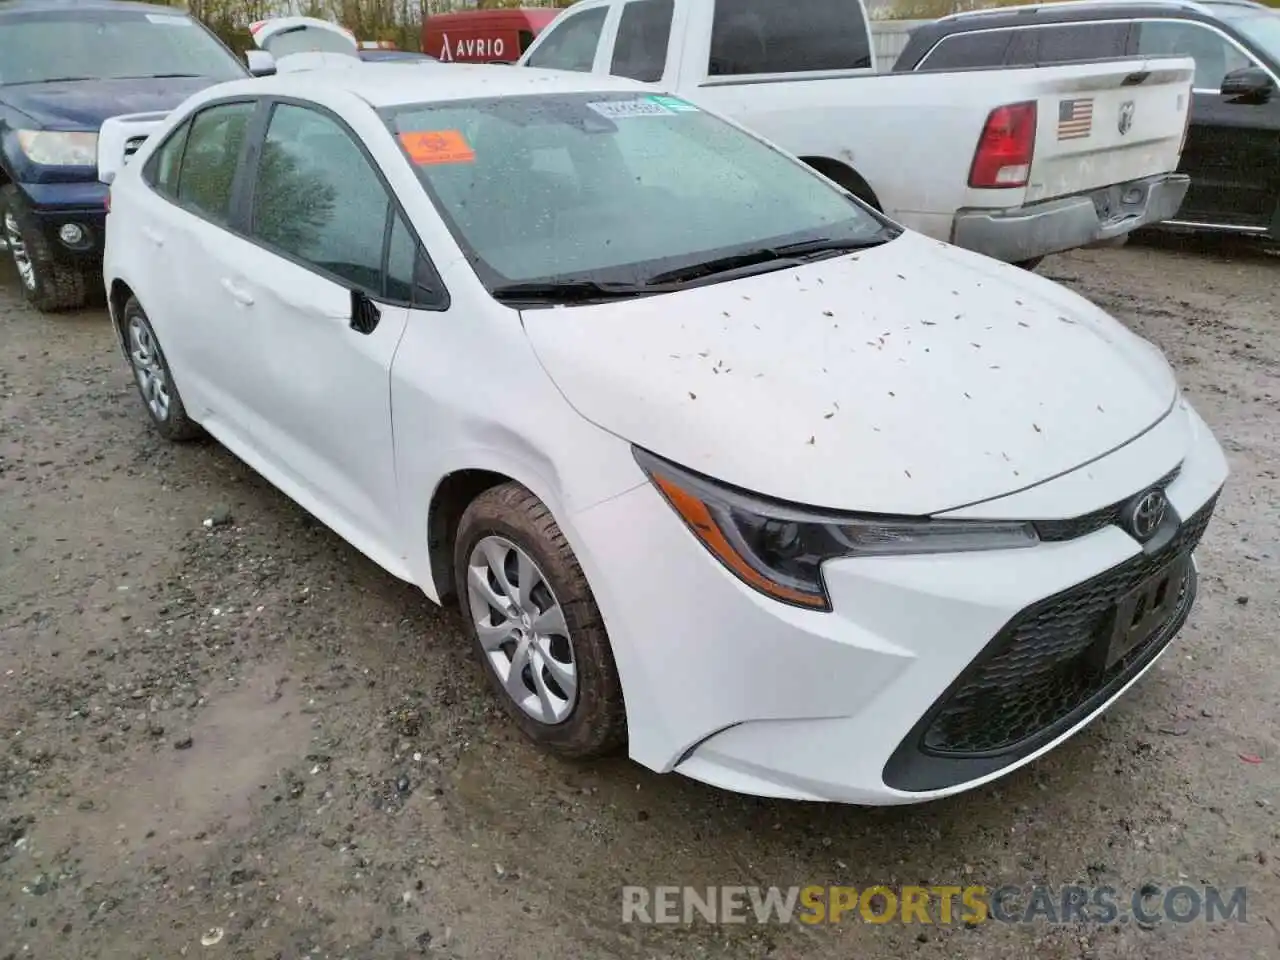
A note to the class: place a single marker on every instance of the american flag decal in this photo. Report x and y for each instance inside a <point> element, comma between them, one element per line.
<point>1075,118</point>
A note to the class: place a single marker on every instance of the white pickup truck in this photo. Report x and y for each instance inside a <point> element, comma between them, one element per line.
<point>1015,164</point>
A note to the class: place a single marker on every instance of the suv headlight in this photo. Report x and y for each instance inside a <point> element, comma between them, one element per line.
<point>59,148</point>
<point>779,549</point>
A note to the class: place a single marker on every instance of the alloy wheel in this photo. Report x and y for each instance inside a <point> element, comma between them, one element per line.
<point>148,368</point>
<point>522,629</point>
<point>18,250</point>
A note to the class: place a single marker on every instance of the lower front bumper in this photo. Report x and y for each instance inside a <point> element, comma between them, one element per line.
<point>750,695</point>
<point>72,217</point>
<point>1068,223</point>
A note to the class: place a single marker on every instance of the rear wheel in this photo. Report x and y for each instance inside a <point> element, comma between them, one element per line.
<point>49,284</point>
<point>536,625</point>
<point>154,378</point>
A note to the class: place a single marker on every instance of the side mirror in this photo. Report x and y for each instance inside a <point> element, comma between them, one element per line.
<point>1248,85</point>
<point>261,63</point>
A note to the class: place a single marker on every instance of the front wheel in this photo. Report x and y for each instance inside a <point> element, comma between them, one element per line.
<point>49,284</point>
<point>154,378</point>
<point>536,625</point>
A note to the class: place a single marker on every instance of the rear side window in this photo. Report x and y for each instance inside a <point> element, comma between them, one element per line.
<point>211,158</point>
<point>644,31</point>
<point>571,44</point>
<point>787,36</point>
<point>984,48</point>
<point>1068,43</point>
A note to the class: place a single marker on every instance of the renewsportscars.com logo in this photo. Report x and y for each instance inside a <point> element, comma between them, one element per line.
<point>936,905</point>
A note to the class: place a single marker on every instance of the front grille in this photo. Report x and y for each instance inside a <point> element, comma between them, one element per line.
<point>1113,515</point>
<point>1038,675</point>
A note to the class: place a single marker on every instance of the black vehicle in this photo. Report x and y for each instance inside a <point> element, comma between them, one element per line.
<point>64,68</point>
<point>1232,152</point>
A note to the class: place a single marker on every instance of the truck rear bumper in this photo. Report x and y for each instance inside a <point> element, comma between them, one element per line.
<point>1067,223</point>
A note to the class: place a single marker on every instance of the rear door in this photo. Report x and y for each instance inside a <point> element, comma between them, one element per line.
<point>320,225</point>
<point>1233,147</point>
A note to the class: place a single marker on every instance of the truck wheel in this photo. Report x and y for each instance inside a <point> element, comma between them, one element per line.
<point>536,625</point>
<point>50,285</point>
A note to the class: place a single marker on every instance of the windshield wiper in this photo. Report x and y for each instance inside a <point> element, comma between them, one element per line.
<point>27,83</point>
<point>784,255</point>
<point>161,76</point>
<point>568,291</point>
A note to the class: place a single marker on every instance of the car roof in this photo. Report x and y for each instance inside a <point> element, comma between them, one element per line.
<point>391,84</point>
<point>1072,10</point>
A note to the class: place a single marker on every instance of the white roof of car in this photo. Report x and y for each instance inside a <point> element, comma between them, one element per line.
<point>392,84</point>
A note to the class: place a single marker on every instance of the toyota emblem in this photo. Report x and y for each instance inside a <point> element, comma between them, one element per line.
<point>1126,117</point>
<point>1147,514</point>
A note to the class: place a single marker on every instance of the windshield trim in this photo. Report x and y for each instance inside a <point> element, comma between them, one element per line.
<point>625,273</point>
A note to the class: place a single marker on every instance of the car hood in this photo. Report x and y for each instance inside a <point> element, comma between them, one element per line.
<point>84,104</point>
<point>910,378</point>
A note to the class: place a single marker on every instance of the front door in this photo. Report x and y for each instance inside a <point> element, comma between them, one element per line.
<point>1232,152</point>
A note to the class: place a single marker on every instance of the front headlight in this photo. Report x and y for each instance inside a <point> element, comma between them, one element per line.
<point>59,148</point>
<point>779,549</point>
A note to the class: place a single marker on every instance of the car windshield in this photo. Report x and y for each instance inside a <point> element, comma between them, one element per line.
<point>92,44</point>
<point>614,188</point>
<point>1262,27</point>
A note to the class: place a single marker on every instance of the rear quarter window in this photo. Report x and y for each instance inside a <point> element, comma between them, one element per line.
<point>982,48</point>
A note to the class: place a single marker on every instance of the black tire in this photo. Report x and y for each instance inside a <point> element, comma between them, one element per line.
<point>146,358</point>
<point>50,285</point>
<point>595,726</point>
<point>1029,264</point>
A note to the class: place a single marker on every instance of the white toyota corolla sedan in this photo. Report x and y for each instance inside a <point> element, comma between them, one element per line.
<point>720,466</point>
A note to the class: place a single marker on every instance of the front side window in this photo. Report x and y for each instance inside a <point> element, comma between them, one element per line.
<point>103,44</point>
<point>612,187</point>
<point>788,36</point>
<point>318,198</point>
<point>211,157</point>
<point>640,51</point>
<point>959,51</point>
<point>1262,27</point>
<point>1214,55</point>
<point>162,168</point>
<point>572,43</point>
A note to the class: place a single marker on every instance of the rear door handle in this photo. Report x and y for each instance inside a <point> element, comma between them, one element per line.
<point>154,236</point>
<point>241,296</point>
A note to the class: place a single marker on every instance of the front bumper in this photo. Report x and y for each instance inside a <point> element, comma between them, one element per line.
<point>1067,223</point>
<point>750,695</point>
<point>54,206</point>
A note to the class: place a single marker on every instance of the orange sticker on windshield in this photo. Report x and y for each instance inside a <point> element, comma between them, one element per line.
<point>437,146</point>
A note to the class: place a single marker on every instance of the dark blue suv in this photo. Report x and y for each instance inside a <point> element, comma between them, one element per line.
<point>64,68</point>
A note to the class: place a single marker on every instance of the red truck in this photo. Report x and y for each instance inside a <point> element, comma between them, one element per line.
<point>484,36</point>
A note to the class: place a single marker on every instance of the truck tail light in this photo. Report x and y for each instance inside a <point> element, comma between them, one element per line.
<point>1005,149</point>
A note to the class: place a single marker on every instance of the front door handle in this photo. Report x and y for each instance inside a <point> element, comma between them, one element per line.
<point>154,236</point>
<point>241,296</point>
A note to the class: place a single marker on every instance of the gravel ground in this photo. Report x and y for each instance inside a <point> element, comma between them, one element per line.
<point>245,740</point>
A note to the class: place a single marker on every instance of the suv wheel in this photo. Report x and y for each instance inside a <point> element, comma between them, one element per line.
<point>50,285</point>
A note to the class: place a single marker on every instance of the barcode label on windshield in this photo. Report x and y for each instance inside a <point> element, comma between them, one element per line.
<point>626,109</point>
